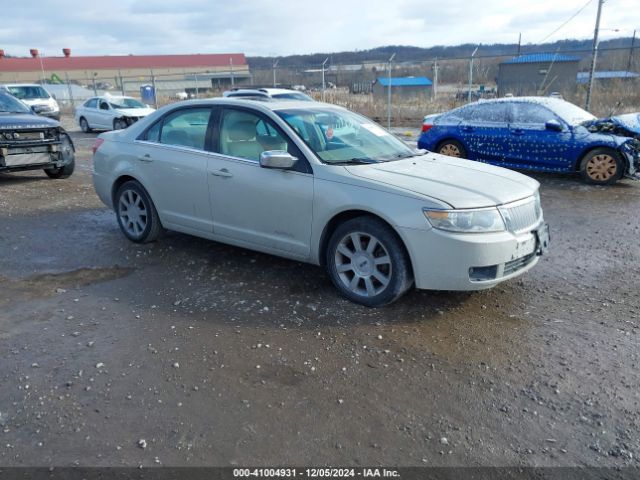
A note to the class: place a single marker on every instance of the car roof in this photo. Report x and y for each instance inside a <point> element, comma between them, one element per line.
<point>267,90</point>
<point>22,85</point>
<point>547,101</point>
<point>273,104</point>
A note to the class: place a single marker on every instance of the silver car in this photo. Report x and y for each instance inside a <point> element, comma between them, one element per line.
<point>277,177</point>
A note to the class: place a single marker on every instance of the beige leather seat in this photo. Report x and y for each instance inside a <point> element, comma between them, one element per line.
<point>241,140</point>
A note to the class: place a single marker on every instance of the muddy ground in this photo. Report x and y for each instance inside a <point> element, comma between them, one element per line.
<point>207,354</point>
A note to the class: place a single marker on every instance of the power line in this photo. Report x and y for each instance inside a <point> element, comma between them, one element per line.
<point>566,21</point>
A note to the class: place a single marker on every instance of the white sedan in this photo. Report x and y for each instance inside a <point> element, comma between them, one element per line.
<point>277,178</point>
<point>110,113</point>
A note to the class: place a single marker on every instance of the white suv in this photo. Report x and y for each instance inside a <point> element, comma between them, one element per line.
<point>36,97</point>
<point>277,93</point>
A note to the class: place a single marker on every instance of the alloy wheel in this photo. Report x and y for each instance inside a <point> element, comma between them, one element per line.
<point>363,264</point>
<point>133,213</point>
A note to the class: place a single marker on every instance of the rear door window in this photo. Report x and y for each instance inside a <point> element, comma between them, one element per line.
<point>490,113</point>
<point>531,114</point>
<point>186,128</point>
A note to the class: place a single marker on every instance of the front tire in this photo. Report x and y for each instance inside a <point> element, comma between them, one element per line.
<point>367,262</point>
<point>68,157</point>
<point>119,124</point>
<point>601,166</point>
<point>452,148</point>
<point>137,216</point>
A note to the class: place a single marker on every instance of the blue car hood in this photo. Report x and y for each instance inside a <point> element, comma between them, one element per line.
<point>629,121</point>
<point>13,121</point>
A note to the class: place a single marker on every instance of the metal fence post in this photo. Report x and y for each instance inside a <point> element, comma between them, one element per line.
<point>66,76</point>
<point>389,94</point>
<point>155,93</point>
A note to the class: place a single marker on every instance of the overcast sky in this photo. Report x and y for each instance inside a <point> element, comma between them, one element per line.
<point>284,27</point>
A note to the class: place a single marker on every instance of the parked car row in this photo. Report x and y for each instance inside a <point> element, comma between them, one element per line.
<point>538,134</point>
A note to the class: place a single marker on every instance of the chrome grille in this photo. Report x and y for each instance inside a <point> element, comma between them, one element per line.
<point>522,215</point>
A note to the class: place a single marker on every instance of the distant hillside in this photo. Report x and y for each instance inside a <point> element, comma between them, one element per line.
<point>409,53</point>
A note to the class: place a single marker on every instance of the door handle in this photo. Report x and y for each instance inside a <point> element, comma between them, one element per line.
<point>222,173</point>
<point>467,129</point>
<point>145,158</point>
<point>517,131</point>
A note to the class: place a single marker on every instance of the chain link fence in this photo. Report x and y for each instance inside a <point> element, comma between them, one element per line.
<point>357,87</point>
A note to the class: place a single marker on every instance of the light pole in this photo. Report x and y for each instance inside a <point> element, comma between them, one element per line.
<point>275,64</point>
<point>323,86</point>
<point>594,55</point>
<point>389,93</point>
<point>471,72</point>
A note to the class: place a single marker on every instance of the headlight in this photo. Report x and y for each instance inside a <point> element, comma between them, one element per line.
<point>466,221</point>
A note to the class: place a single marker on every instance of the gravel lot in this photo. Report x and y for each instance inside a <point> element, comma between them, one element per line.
<point>189,352</point>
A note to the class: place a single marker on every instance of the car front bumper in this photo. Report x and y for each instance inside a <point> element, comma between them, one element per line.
<point>452,261</point>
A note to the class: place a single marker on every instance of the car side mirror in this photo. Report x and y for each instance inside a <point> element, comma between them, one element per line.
<point>277,159</point>
<point>553,125</point>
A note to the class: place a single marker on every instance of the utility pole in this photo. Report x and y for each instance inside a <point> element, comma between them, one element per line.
<point>66,76</point>
<point>275,64</point>
<point>435,78</point>
<point>594,55</point>
<point>633,44</point>
<point>471,72</point>
<point>389,93</point>
<point>323,85</point>
<point>519,43</point>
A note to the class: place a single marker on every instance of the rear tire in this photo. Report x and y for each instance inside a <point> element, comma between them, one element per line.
<point>84,125</point>
<point>452,148</point>
<point>137,216</point>
<point>602,166</point>
<point>367,262</point>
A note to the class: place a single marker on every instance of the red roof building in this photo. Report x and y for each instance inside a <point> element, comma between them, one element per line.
<point>175,72</point>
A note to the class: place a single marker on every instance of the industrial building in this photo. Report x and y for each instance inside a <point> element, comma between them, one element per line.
<point>406,87</point>
<point>169,73</point>
<point>538,74</point>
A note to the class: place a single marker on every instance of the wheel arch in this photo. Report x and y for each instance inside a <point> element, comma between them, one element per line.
<point>121,180</point>
<point>350,214</point>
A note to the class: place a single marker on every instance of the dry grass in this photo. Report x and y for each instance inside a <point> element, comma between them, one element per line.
<point>615,98</point>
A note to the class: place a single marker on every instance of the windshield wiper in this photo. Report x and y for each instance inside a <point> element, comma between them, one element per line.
<point>355,161</point>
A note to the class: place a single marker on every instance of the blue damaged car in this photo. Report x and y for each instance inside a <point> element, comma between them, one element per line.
<point>540,134</point>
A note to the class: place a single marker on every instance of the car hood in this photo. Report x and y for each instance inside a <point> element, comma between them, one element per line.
<point>135,112</point>
<point>630,121</point>
<point>622,125</point>
<point>460,183</point>
<point>12,121</point>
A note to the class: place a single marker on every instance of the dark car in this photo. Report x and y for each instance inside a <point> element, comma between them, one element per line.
<point>540,134</point>
<point>31,142</point>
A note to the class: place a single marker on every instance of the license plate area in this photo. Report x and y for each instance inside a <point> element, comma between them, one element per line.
<point>543,239</point>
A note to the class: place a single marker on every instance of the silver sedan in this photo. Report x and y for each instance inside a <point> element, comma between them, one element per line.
<point>320,184</point>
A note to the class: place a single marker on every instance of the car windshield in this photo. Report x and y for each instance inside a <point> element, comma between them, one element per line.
<point>28,92</point>
<point>572,114</point>
<point>9,104</point>
<point>126,103</point>
<point>293,96</point>
<point>340,136</point>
